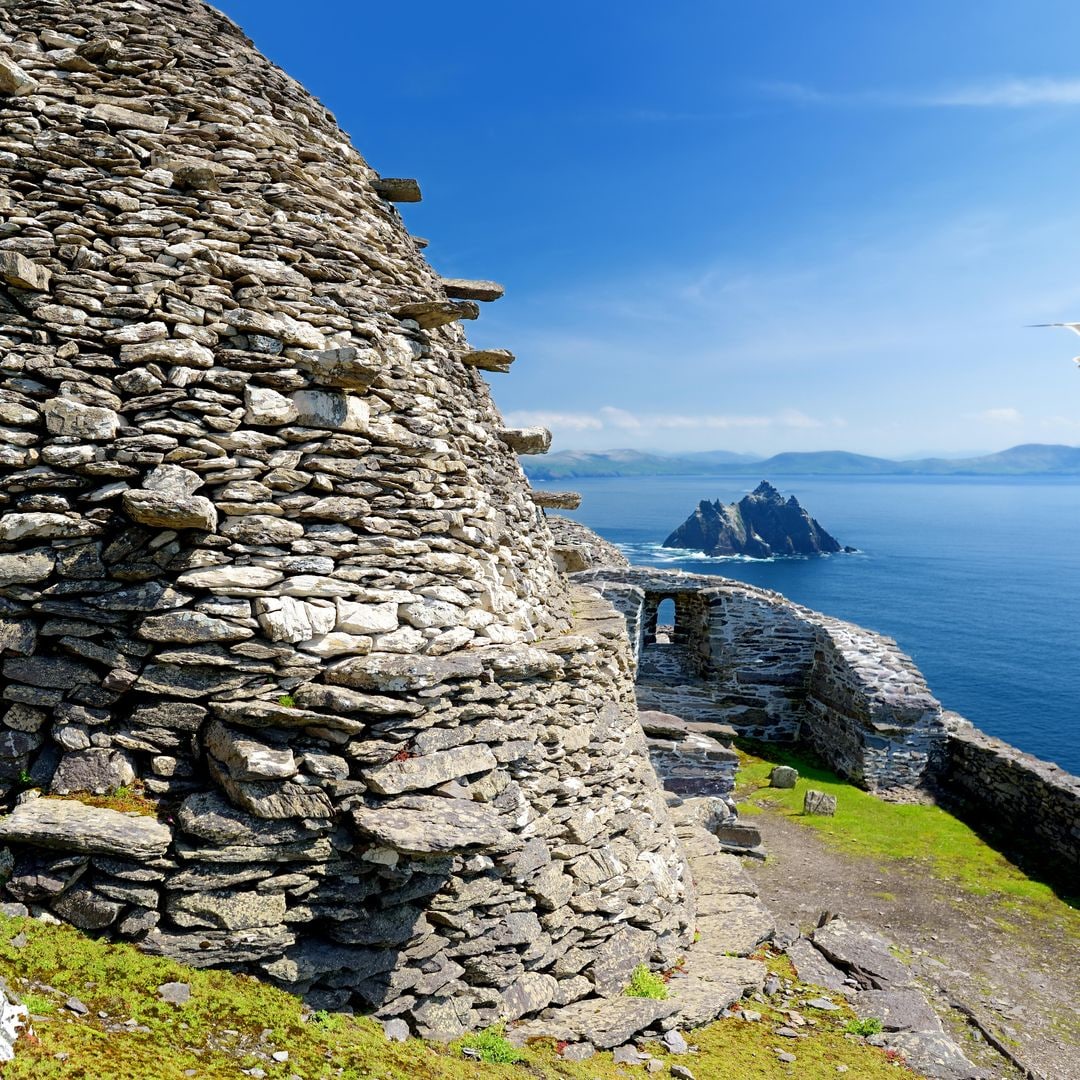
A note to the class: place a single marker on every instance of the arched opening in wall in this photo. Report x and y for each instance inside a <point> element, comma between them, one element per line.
<point>665,621</point>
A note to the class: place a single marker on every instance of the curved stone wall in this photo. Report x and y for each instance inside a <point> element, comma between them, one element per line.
<point>267,556</point>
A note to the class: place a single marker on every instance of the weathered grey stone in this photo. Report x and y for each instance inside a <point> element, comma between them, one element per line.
<point>218,948</point>
<point>466,289</point>
<point>14,81</point>
<point>605,1022</point>
<point>181,352</point>
<point>556,500</point>
<point>220,579</point>
<point>429,314</point>
<point>25,567</point>
<point>16,269</point>
<point>331,409</point>
<point>262,529</point>
<point>287,619</point>
<point>175,993</point>
<point>783,776</point>
<point>425,825</point>
<point>71,826</point>
<point>66,416</point>
<point>190,628</point>
<point>167,511</point>
<point>263,406</point>
<point>45,526</point>
<point>532,440</point>
<point>498,360</point>
<point>861,953</point>
<point>348,368</point>
<point>127,119</point>
<point>418,773</point>
<point>245,758</point>
<point>615,960</point>
<point>86,909</point>
<point>898,1010</point>
<point>226,909</point>
<point>401,673</point>
<point>397,189</point>
<point>96,770</point>
<point>817,802</point>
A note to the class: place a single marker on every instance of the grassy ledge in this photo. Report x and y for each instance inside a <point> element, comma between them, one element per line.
<point>919,834</point>
<point>234,1022</point>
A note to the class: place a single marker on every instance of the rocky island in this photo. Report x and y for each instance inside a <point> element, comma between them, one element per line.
<point>760,524</point>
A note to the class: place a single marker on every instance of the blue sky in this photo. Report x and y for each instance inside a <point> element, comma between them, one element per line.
<point>760,226</point>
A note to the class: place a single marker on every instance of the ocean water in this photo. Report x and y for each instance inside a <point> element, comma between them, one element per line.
<point>978,579</point>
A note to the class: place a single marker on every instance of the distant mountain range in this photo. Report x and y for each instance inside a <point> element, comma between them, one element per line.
<point>1030,459</point>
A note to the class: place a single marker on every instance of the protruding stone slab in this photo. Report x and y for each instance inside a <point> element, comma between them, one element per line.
<point>531,440</point>
<point>13,80</point>
<point>397,189</point>
<point>418,773</point>
<point>489,359</point>
<point>428,825</point>
<point>18,270</point>
<point>432,313</point>
<point>556,500</point>
<point>465,289</point>
<point>72,826</point>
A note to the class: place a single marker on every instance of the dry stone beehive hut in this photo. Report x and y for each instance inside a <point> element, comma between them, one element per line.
<point>266,553</point>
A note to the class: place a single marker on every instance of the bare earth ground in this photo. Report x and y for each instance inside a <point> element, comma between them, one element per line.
<point>1019,976</point>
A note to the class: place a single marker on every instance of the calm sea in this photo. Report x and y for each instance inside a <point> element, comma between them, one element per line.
<point>977,579</point>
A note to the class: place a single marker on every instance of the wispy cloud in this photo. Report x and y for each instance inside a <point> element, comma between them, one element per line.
<point>1002,416</point>
<point>612,418</point>
<point>1006,93</point>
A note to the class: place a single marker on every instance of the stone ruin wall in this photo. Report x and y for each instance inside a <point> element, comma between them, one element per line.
<point>267,556</point>
<point>781,672</point>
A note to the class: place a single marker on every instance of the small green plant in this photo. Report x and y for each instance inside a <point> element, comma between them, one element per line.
<point>287,701</point>
<point>25,778</point>
<point>39,1004</point>
<point>328,1021</point>
<point>644,984</point>
<point>870,1026</point>
<point>492,1046</point>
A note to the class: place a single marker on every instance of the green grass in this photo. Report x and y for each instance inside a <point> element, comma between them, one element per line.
<point>644,984</point>
<point>492,1046</point>
<point>924,835</point>
<point>870,1026</point>
<point>234,1022</point>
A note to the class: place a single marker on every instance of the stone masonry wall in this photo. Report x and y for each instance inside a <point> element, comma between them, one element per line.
<point>1034,805</point>
<point>778,671</point>
<point>268,558</point>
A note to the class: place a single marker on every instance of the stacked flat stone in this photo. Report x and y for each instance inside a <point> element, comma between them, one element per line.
<point>266,555</point>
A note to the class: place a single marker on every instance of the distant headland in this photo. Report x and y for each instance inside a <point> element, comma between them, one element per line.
<point>761,524</point>
<point>1030,459</point>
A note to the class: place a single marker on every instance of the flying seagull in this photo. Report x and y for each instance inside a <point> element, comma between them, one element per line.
<point>1073,326</point>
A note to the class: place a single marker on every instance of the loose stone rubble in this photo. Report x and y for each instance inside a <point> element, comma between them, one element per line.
<point>266,556</point>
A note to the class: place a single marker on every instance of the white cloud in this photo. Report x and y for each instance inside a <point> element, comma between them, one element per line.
<point>1007,93</point>
<point>1002,416</point>
<point>561,421</point>
<point>612,418</point>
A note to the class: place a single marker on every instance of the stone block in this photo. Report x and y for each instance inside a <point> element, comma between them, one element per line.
<point>17,270</point>
<point>466,289</point>
<point>531,440</point>
<point>817,802</point>
<point>783,776</point>
<point>496,360</point>
<point>167,511</point>
<point>331,410</point>
<point>71,826</point>
<point>66,416</point>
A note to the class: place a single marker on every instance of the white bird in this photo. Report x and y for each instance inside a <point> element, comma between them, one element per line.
<point>1073,326</point>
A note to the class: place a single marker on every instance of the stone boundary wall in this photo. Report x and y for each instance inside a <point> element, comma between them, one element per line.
<point>782,672</point>
<point>778,671</point>
<point>1033,804</point>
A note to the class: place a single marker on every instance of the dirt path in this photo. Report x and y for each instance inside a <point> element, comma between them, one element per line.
<point>1019,976</point>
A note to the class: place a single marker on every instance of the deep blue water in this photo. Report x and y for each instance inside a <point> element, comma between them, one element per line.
<point>977,579</point>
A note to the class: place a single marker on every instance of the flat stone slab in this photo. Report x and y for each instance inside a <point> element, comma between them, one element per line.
<point>467,289</point>
<point>812,967</point>
<point>556,500</point>
<point>898,1010</point>
<point>716,877</point>
<point>397,188</point>
<point>498,360</point>
<point>865,955</point>
<point>712,984</point>
<point>661,725</point>
<point>604,1022</point>
<point>738,926</point>
<point>428,824</point>
<point>73,826</point>
<point>933,1054</point>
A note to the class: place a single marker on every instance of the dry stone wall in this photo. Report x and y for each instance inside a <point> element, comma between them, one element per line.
<point>777,671</point>
<point>267,556</point>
